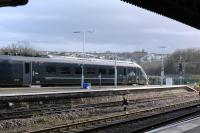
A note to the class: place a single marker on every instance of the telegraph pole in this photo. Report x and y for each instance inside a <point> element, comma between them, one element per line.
<point>115,70</point>
<point>162,67</point>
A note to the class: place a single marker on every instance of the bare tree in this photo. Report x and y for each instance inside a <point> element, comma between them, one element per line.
<point>189,58</point>
<point>20,48</point>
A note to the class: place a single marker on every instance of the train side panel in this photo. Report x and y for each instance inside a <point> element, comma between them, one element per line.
<point>11,73</point>
<point>16,73</point>
<point>5,73</point>
<point>48,74</point>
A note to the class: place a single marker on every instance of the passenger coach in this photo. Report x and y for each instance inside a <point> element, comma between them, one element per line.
<point>55,71</point>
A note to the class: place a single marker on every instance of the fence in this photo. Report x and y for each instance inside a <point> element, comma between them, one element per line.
<point>184,80</point>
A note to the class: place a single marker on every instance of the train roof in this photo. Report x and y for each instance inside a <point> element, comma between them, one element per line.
<point>72,60</point>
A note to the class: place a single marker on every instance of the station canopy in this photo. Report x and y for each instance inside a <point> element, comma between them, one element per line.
<point>184,11</point>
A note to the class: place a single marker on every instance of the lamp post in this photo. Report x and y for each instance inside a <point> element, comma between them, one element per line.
<point>115,66</point>
<point>83,53</point>
<point>162,66</point>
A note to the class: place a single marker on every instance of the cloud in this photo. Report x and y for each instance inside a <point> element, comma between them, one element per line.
<point>118,26</point>
<point>164,31</point>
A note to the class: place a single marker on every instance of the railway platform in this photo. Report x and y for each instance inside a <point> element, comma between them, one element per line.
<point>95,95</point>
<point>36,90</point>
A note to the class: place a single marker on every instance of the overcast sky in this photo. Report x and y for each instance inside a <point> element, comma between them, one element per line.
<point>118,26</point>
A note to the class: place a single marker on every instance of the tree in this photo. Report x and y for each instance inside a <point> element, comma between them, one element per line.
<point>188,58</point>
<point>20,49</point>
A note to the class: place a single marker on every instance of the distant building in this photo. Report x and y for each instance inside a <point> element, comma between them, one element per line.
<point>139,55</point>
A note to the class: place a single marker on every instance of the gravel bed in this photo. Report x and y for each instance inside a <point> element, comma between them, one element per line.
<point>36,122</point>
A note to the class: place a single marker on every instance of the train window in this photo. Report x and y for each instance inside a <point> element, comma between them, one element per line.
<point>78,70</point>
<point>111,71</point>
<point>131,71</point>
<point>102,71</point>
<point>90,71</point>
<point>135,69</point>
<point>65,70</point>
<point>51,69</point>
<point>27,68</point>
<point>124,71</point>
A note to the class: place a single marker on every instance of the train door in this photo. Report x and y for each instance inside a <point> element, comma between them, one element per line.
<point>27,73</point>
<point>125,77</point>
<point>131,75</point>
<point>137,71</point>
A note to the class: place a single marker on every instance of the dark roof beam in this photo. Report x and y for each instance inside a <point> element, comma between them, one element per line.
<point>185,11</point>
<point>198,8</point>
<point>191,5</point>
<point>4,3</point>
<point>186,5</point>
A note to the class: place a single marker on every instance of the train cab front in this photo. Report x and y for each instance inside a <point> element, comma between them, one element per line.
<point>143,78</point>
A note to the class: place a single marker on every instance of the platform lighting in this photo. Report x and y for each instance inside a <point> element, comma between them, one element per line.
<point>162,66</point>
<point>83,52</point>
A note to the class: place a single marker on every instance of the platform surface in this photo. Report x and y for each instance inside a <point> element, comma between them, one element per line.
<point>53,90</point>
<point>189,126</point>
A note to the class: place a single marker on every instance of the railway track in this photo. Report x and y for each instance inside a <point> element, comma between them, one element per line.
<point>53,110</point>
<point>108,121</point>
<point>172,122</point>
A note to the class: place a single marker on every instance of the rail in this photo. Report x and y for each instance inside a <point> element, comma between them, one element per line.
<point>53,110</point>
<point>117,117</point>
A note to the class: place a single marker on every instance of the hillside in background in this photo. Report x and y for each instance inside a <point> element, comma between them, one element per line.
<point>189,58</point>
